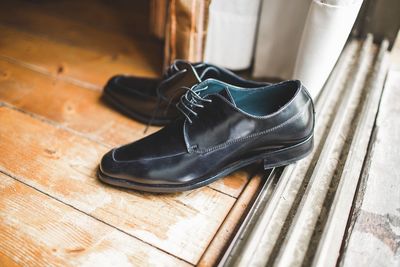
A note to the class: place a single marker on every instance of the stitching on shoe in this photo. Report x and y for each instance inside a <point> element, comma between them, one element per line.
<point>223,145</point>
<point>185,137</point>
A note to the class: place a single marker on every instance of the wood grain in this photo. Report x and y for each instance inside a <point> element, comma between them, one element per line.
<point>36,230</point>
<point>121,17</point>
<point>373,238</point>
<point>72,106</point>
<point>54,59</point>
<point>80,65</point>
<point>228,228</point>
<point>64,166</point>
<point>80,109</point>
<point>83,66</point>
<point>52,22</point>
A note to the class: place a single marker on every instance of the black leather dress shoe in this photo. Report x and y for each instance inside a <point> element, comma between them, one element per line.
<point>150,100</point>
<point>223,129</point>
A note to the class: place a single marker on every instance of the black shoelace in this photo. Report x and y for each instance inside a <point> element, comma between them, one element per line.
<point>190,100</point>
<point>172,70</point>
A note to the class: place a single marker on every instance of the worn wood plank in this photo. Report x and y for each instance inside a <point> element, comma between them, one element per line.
<point>64,165</point>
<point>36,230</point>
<point>294,249</point>
<point>72,106</point>
<point>80,109</point>
<point>82,66</point>
<point>373,238</point>
<point>233,184</point>
<point>125,17</point>
<point>144,54</point>
<point>228,228</point>
<point>330,242</point>
<point>48,52</point>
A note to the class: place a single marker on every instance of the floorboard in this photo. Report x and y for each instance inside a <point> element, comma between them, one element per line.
<point>373,236</point>
<point>54,61</point>
<point>85,67</point>
<point>78,108</point>
<point>57,235</point>
<point>64,166</point>
<point>131,44</point>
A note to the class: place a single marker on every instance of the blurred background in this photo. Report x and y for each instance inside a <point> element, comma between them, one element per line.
<point>267,39</point>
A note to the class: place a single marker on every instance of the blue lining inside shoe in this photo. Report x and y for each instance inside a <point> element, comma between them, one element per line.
<point>256,101</point>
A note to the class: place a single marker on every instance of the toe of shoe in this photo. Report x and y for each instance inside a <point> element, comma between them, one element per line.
<point>113,84</point>
<point>108,164</point>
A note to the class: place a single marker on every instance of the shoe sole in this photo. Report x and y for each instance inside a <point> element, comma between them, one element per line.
<point>136,116</point>
<point>273,159</point>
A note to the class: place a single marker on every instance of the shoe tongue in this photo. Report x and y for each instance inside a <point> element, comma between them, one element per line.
<point>172,87</point>
<point>225,93</point>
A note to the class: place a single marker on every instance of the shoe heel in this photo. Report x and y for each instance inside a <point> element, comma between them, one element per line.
<point>289,155</point>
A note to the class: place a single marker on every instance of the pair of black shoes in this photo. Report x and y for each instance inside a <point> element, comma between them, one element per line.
<point>216,123</point>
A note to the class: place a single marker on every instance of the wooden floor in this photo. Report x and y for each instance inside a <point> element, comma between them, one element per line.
<point>55,56</point>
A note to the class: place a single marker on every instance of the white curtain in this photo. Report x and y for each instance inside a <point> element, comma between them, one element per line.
<point>302,39</point>
<point>293,39</point>
<point>231,33</point>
